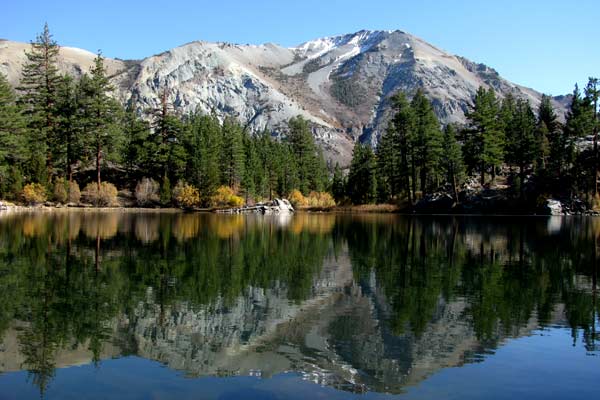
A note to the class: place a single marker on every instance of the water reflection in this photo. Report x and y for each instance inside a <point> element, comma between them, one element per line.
<point>358,303</point>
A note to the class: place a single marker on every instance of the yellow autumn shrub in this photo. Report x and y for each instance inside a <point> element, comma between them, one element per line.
<point>297,199</point>
<point>226,197</point>
<point>34,193</point>
<point>186,196</point>
<point>320,199</point>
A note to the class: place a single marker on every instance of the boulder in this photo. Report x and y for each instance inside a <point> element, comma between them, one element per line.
<point>554,207</point>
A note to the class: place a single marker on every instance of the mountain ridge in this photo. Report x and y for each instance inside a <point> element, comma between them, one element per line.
<point>341,83</point>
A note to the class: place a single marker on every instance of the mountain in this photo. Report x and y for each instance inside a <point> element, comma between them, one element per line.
<point>342,84</point>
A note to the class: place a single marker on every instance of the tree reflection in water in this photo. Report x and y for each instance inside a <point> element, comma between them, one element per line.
<point>75,280</point>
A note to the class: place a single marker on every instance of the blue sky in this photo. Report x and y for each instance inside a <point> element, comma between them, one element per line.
<point>544,44</point>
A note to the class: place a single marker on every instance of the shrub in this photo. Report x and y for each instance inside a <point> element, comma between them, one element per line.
<point>74,192</point>
<point>34,193</point>
<point>186,196</point>
<point>146,192</point>
<point>106,196</point>
<point>60,190</point>
<point>297,198</point>
<point>320,199</point>
<point>225,196</point>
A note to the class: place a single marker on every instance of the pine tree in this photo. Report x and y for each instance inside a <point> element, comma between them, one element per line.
<point>166,142</point>
<point>135,155</point>
<point>550,140</point>
<point>99,116</point>
<point>523,144</point>
<point>338,189</point>
<point>484,147</point>
<point>579,123</point>
<point>12,138</point>
<point>232,154</point>
<point>395,149</point>
<point>39,91</point>
<point>252,168</point>
<point>592,95</point>
<point>71,148</point>
<point>362,178</point>
<point>452,160</point>
<point>427,140</point>
<point>203,148</point>
<point>305,154</point>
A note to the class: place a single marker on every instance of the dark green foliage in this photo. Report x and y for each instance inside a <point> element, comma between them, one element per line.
<point>99,117</point>
<point>550,160</point>
<point>12,137</point>
<point>347,91</point>
<point>165,145</point>
<point>338,184</point>
<point>203,147</point>
<point>427,142</point>
<point>136,157</point>
<point>484,142</point>
<point>362,178</point>
<point>39,96</point>
<point>452,160</point>
<point>522,145</point>
<point>308,159</point>
<point>233,156</point>
<point>395,152</point>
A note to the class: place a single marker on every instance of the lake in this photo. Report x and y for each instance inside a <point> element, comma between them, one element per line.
<point>127,305</point>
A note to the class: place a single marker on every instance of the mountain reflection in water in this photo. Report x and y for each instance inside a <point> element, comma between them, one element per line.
<point>358,303</point>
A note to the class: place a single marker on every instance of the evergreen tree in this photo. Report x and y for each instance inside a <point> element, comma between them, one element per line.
<point>203,145</point>
<point>579,123</point>
<point>592,95</point>
<point>362,178</point>
<point>99,116</point>
<point>452,160</point>
<point>277,167</point>
<point>395,149</point>
<point>167,145</point>
<point>232,154</point>
<point>253,172</point>
<point>427,140</point>
<point>305,154</point>
<point>523,144</point>
<point>338,190</point>
<point>39,91</point>
<point>135,151</point>
<point>12,138</point>
<point>71,148</point>
<point>550,140</point>
<point>484,146</point>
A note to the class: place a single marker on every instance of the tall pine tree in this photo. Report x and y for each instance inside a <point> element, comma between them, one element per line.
<point>99,116</point>
<point>39,91</point>
<point>12,140</point>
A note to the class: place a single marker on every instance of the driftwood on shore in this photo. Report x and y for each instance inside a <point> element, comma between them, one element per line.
<point>277,206</point>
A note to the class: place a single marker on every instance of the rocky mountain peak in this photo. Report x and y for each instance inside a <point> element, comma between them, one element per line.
<point>342,83</point>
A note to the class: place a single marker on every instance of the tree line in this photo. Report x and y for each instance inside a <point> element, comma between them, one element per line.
<point>56,130</point>
<point>535,152</point>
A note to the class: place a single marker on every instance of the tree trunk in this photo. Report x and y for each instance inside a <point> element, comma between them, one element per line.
<point>98,159</point>
<point>423,181</point>
<point>414,182</point>
<point>522,183</point>
<point>482,173</point>
<point>454,190</point>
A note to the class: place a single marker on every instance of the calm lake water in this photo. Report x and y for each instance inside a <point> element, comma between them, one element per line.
<point>196,306</point>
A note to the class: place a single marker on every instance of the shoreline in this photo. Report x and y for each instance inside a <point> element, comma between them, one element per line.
<point>379,209</point>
